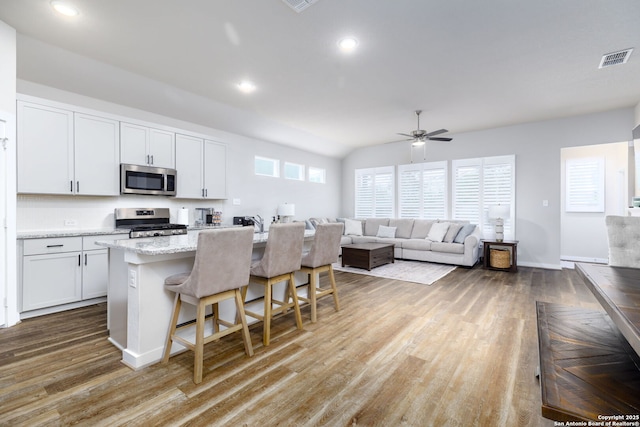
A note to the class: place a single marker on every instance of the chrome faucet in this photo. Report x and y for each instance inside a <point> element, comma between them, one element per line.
<point>258,224</point>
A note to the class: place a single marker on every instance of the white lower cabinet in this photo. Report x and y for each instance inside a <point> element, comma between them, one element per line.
<point>63,270</point>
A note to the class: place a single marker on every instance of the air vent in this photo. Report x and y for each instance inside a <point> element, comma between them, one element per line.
<point>299,5</point>
<point>615,58</point>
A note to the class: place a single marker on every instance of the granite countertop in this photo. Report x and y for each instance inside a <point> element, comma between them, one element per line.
<point>173,244</point>
<point>43,234</point>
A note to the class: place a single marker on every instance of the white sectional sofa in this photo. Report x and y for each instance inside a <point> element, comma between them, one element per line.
<point>442,241</point>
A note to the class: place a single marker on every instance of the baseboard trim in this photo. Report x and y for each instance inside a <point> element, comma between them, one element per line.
<point>539,265</point>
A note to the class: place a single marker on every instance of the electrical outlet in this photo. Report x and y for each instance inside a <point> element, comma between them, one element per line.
<point>70,222</point>
<point>236,202</point>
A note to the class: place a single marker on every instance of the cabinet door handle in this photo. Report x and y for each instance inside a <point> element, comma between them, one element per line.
<point>55,246</point>
<point>147,161</point>
<point>152,159</point>
<point>206,192</point>
<point>203,192</point>
<point>85,259</point>
<point>77,186</point>
<point>79,260</point>
<point>71,186</point>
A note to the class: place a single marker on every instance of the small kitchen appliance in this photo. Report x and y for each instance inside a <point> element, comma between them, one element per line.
<point>147,222</point>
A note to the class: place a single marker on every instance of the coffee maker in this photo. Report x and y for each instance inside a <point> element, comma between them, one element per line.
<point>208,217</point>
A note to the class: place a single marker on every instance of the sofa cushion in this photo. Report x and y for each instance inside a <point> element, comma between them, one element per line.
<point>371,225</point>
<point>421,228</point>
<point>352,227</point>
<point>388,232</point>
<point>403,227</point>
<point>452,248</point>
<point>345,240</point>
<point>364,239</point>
<point>438,231</point>
<point>465,231</point>
<point>452,232</point>
<point>417,244</point>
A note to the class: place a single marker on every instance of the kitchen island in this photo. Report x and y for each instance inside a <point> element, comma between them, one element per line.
<point>139,308</point>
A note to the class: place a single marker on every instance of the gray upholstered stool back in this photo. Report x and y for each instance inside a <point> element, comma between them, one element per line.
<point>326,245</point>
<point>283,251</point>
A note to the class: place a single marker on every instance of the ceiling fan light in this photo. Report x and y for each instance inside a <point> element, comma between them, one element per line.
<point>417,143</point>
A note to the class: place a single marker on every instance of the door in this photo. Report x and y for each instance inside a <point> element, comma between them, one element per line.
<point>45,149</point>
<point>51,279</point>
<point>189,167</point>
<point>95,273</point>
<point>97,154</point>
<point>162,148</point>
<point>134,140</point>
<point>215,170</point>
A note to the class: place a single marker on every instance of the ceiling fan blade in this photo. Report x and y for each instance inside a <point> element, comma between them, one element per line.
<point>437,132</point>
<point>400,140</point>
<point>405,134</point>
<point>441,139</point>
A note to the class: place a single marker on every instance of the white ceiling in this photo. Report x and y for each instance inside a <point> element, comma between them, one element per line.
<point>468,65</point>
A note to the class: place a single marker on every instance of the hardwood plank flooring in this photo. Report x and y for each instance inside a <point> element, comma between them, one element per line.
<point>462,352</point>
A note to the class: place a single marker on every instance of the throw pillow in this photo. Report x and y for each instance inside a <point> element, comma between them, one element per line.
<point>388,232</point>
<point>437,231</point>
<point>464,232</point>
<point>452,232</point>
<point>352,227</point>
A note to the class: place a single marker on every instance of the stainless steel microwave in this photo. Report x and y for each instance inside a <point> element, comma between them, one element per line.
<point>136,179</point>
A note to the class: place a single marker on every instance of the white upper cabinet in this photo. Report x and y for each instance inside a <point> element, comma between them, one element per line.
<point>97,154</point>
<point>141,145</point>
<point>45,149</point>
<point>202,168</point>
<point>61,152</point>
<point>215,170</point>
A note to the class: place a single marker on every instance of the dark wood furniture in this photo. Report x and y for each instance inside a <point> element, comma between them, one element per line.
<point>589,360</point>
<point>367,255</point>
<point>510,245</point>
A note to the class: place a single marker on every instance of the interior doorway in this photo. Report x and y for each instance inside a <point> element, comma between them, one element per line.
<point>584,204</point>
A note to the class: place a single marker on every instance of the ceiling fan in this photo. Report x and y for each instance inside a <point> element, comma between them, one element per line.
<point>419,136</point>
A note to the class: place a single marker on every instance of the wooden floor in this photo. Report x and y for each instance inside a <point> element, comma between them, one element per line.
<point>462,352</point>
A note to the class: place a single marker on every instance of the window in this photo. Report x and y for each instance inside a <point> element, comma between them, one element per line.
<point>317,175</point>
<point>374,192</point>
<point>293,171</point>
<point>585,185</point>
<point>480,183</point>
<point>422,190</point>
<point>267,167</point>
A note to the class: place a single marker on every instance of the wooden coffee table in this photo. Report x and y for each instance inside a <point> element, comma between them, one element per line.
<point>367,255</point>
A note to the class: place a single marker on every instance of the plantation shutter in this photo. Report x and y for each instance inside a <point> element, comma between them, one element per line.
<point>374,192</point>
<point>585,185</point>
<point>480,183</point>
<point>422,190</point>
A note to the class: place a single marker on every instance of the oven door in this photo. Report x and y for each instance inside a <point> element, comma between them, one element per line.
<point>136,179</point>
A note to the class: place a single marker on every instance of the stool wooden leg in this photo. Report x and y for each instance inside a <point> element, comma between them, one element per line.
<point>311,291</point>
<point>177,303</point>
<point>296,306</point>
<point>267,314</point>
<point>199,347</point>
<point>332,279</point>
<point>248,348</point>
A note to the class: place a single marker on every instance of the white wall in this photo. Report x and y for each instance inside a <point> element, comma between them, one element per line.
<point>584,234</point>
<point>8,293</point>
<point>537,149</point>
<point>257,195</point>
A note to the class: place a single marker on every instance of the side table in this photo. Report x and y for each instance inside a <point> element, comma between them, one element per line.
<point>510,245</point>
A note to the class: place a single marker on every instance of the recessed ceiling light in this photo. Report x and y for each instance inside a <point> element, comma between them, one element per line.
<point>64,8</point>
<point>246,86</point>
<point>348,44</point>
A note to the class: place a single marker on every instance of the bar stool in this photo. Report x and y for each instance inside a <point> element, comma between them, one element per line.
<point>282,256</point>
<point>324,252</point>
<point>221,268</point>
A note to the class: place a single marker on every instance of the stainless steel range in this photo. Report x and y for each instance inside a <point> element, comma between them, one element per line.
<point>147,222</point>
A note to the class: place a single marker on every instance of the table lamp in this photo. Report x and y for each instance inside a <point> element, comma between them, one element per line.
<point>286,211</point>
<point>499,213</point>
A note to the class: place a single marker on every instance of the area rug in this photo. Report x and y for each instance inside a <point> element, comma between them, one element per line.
<point>424,273</point>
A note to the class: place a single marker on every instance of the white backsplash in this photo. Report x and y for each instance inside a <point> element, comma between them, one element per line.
<point>43,212</point>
